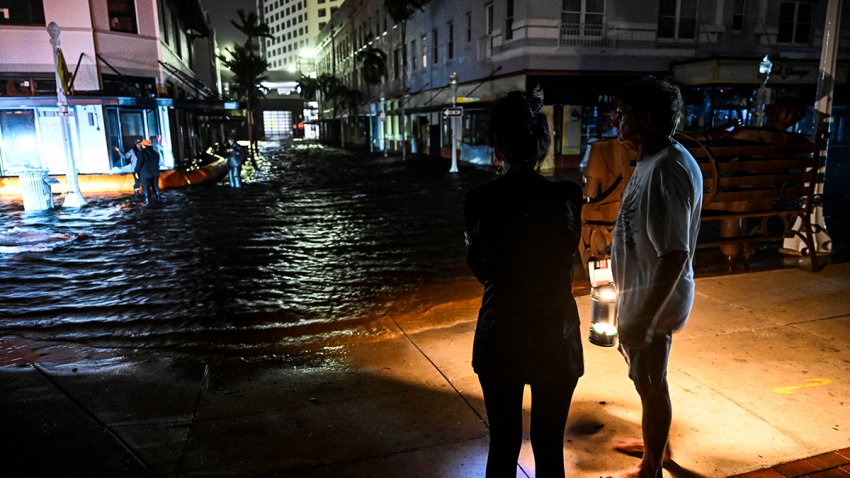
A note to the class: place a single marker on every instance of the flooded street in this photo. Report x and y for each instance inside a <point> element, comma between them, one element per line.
<point>317,242</point>
<point>314,239</point>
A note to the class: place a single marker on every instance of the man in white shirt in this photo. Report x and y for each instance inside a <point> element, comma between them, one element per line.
<point>652,253</point>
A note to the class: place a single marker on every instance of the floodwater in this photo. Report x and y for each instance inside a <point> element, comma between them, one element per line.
<point>313,240</point>
<point>316,243</point>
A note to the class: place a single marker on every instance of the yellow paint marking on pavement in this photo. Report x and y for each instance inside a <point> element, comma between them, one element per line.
<point>812,382</point>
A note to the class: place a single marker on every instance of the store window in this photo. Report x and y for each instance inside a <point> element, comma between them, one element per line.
<point>122,15</point>
<point>21,12</point>
<point>19,140</point>
<point>795,22</point>
<point>677,19</point>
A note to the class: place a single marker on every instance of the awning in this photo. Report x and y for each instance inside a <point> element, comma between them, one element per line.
<point>745,71</point>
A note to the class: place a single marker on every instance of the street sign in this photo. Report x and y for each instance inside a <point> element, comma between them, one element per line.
<point>454,111</point>
<point>468,99</point>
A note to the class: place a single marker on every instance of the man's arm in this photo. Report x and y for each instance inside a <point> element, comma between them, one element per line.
<point>666,274</point>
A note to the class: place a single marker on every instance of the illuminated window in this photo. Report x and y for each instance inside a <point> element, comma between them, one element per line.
<point>122,15</point>
<point>277,124</point>
<point>20,143</point>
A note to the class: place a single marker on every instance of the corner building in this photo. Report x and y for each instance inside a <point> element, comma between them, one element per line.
<point>574,54</point>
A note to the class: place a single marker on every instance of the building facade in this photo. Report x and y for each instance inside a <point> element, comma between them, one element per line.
<point>135,69</point>
<point>295,25</point>
<point>574,54</point>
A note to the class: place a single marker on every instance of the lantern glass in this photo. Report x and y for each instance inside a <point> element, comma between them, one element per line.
<point>603,319</point>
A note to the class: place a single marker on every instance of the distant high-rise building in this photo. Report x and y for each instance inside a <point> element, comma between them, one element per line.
<point>295,25</point>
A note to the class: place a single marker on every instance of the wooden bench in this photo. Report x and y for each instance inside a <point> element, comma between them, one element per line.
<point>746,183</point>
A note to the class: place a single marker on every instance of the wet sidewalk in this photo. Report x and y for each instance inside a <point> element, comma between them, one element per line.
<point>759,377</point>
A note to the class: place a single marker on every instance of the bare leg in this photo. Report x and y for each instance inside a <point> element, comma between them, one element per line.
<point>657,416</point>
<point>655,425</point>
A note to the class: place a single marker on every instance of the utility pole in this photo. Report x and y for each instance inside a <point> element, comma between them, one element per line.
<point>73,196</point>
<point>821,130</point>
<point>453,81</point>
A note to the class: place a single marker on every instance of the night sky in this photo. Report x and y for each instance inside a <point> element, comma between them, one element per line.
<point>221,12</point>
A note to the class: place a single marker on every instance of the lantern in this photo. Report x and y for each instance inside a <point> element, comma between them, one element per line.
<point>603,297</point>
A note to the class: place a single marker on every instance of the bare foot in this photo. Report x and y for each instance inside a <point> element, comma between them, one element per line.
<point>634,447</point>
<point>633,473</point>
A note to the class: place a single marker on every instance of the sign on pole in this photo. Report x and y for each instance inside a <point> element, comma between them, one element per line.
<point>454,111</point>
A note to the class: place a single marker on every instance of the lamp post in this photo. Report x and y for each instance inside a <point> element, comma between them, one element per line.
<point>453,82</point>
<point>73,196</point>
<point>823,121</point>
<point>765,67</point>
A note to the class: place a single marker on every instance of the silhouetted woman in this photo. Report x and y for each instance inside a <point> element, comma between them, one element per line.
<point>522,232</point>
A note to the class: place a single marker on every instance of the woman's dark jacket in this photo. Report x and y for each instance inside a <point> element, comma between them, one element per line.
<point>522,233</point>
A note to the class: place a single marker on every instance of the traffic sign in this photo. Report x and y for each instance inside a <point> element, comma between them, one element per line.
<point>454,111</point>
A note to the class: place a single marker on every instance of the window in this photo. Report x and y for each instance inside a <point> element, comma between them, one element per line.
<point>413,55</point>
<point>21,12</point>
<point>122,15</point>
<point>583,12</point>
<point>489,17</point>
<point>450,46</point>
<point>396,64</point>
<point>677,19</point>
<point>322,12</point>
<point>738,15</point>
<point>424,52</point>
<point>795,22</point>
<point>468,27</point>
<point>509,19</point>
<point>435,47</point>
<point>21,144</point>
<point>175,27</point>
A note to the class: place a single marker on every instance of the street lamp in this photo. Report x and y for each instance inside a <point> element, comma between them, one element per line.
<point>765,67</point>
<point>453,82</point>
<point>73,196</point>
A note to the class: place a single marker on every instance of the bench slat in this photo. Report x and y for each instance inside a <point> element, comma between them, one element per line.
<point>765,165</point>
<point>760,180</point>
<point>759,195</point>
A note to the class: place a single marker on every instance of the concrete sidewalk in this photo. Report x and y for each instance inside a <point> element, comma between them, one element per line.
<point>760,376</point>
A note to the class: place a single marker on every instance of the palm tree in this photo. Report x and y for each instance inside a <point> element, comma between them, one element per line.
<point>251,67</point>
<point>400,11</point>
<point>251,26</point>
<point>345,99</point>
<point>373,66</point>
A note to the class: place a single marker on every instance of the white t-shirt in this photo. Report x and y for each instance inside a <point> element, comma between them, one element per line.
<point>660,214</point>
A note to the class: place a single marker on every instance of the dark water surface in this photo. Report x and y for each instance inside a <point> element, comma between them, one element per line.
<point>316,237</point>
<point>314,243</point>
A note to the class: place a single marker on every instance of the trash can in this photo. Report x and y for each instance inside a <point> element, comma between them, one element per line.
<point>35,189</point>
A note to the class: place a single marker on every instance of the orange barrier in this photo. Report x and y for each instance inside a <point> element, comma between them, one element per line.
<point>123,183</point>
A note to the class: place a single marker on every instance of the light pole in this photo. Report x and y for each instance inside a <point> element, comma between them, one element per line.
<point>823,121</point>
<point>73,196</point>
<point>765,67</point>
<point>453,82</point>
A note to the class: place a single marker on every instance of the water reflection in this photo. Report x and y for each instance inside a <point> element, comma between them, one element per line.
<point>317,237</point>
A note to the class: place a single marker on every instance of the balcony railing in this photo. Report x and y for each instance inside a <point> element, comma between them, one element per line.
<point>584,35</point>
